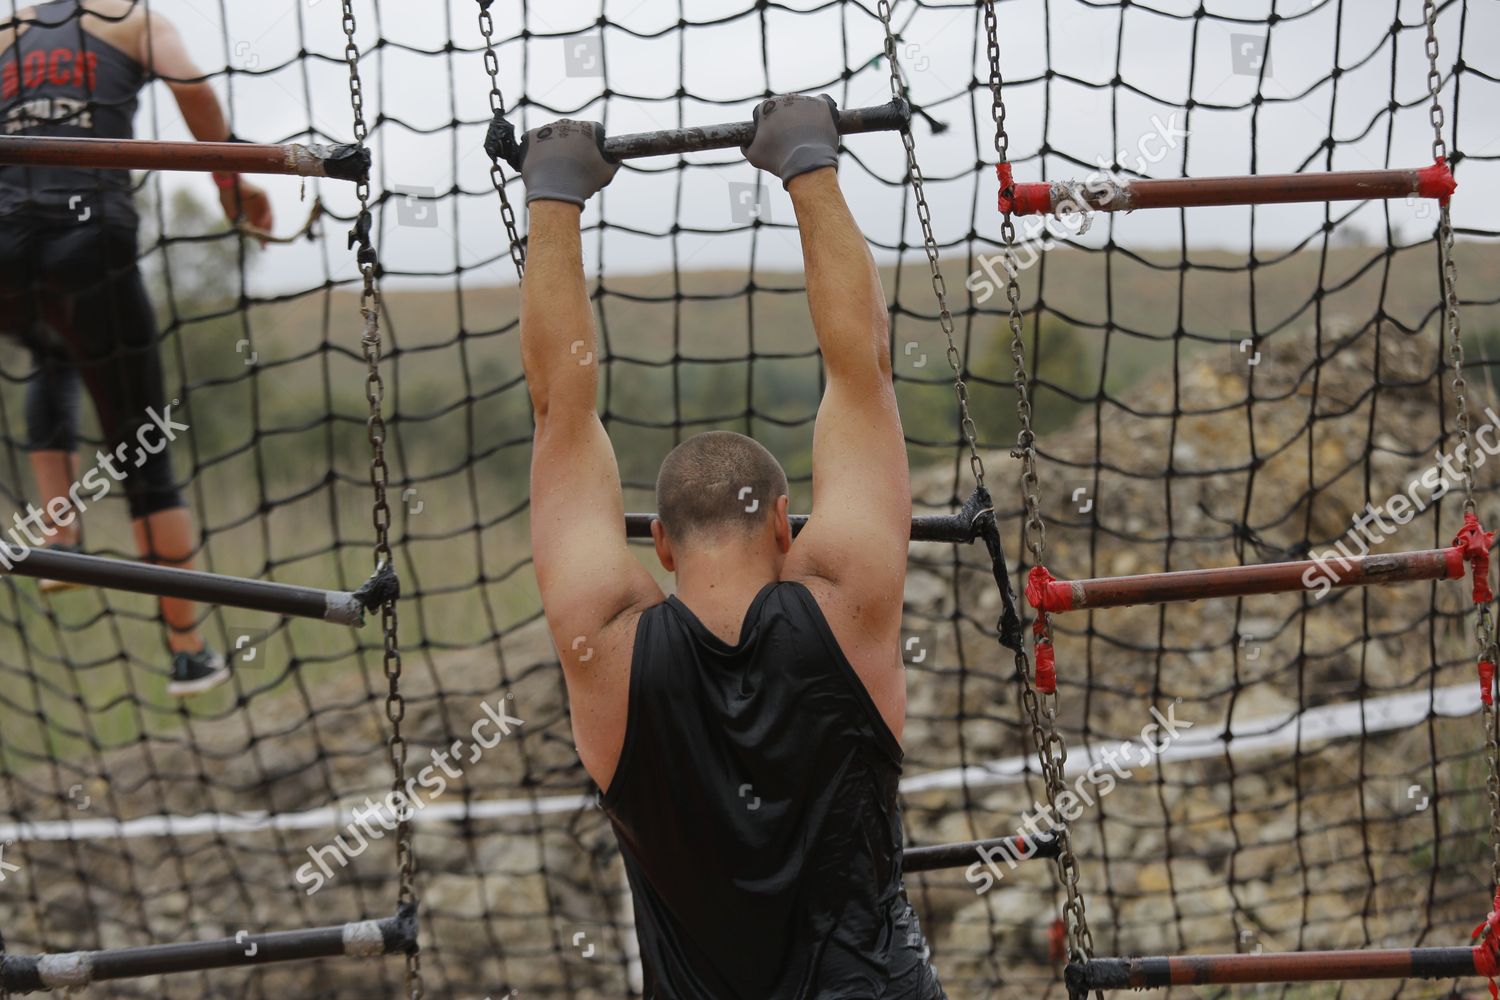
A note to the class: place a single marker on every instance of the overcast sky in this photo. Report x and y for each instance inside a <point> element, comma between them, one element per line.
<point>1162,54</point>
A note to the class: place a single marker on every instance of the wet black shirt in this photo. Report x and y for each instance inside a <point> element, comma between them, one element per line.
<point>755,804</point>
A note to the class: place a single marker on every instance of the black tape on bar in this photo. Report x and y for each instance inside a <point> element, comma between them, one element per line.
<point>401,933</point>
<point>1097,974</point>
<point>380,589</point>
<point>347,163</point>
<point>980,509</point>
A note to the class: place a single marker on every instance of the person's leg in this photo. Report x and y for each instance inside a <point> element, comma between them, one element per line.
<point>52,389</point>
<point>116,343</point>
<point>52,436</point>
<point>165,537</point>
<point>55,473</point>
<point>163,525</point>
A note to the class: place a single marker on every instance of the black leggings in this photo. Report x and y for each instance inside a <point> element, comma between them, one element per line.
<point>72,293</point>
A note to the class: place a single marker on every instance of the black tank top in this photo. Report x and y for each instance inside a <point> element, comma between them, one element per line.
<point>755,806</point>
<point>59,80</point>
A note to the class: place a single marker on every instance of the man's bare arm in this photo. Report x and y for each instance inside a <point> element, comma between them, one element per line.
<point>587,574</point>
<point>557,323</point>
<point>861,518</point>
<point>852,552</point>
<point>163,51</point>
<point>588,578</point>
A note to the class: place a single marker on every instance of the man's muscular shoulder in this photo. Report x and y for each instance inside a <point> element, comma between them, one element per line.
<point>869,637</point>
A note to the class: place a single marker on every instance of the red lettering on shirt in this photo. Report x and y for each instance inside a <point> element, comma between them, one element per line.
<point>60,67</point>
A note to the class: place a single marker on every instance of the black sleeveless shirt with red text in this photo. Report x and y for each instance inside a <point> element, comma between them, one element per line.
<point>755,803</point>
<point>59,80</point>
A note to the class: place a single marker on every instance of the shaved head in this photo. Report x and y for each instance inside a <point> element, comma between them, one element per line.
<point>716,484</point>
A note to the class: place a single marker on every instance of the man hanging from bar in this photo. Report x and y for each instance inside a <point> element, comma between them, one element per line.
<point>70,288</point>
<point>747,728</point>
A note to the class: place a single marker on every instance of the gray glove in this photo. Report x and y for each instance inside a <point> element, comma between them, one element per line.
<point>795,135</point>
<point>565,161</point>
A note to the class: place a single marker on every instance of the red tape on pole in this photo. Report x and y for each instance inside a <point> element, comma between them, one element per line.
<point>1022,199</point>
<point>1046,661</point>
<point>1007,188</point>
<point>1046,593</point>
<point>1487,947</point>
<point>1475,544</point>
<point>1437,181</point>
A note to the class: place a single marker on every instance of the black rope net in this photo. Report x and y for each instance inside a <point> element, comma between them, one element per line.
<point>1215,387</point>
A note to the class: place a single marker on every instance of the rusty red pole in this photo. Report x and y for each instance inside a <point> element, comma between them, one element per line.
<point>345,163</point>
<point>1111,195</point>
<point>1054,596</point>
<point>1296,967</point>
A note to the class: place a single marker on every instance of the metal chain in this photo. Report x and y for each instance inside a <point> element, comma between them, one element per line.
<point>1041,708</point>
<point>497,108</point>
<point>929,241</point>
<point>1449,267</point>
<point>395,704</point>
<point>997,108</point>
<point>1035,533</point>
<point>1484,631</point>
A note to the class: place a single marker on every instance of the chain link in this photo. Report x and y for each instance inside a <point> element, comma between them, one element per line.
<point>497,108</point>
<point>1040,708</point>
<point>1434,80</point>
<point>1035,530</point>
<point>1484,631</point>
<point>929,242</point>
<point>395,704</point>
<point>997,104</point>
<point>1451,329</point>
